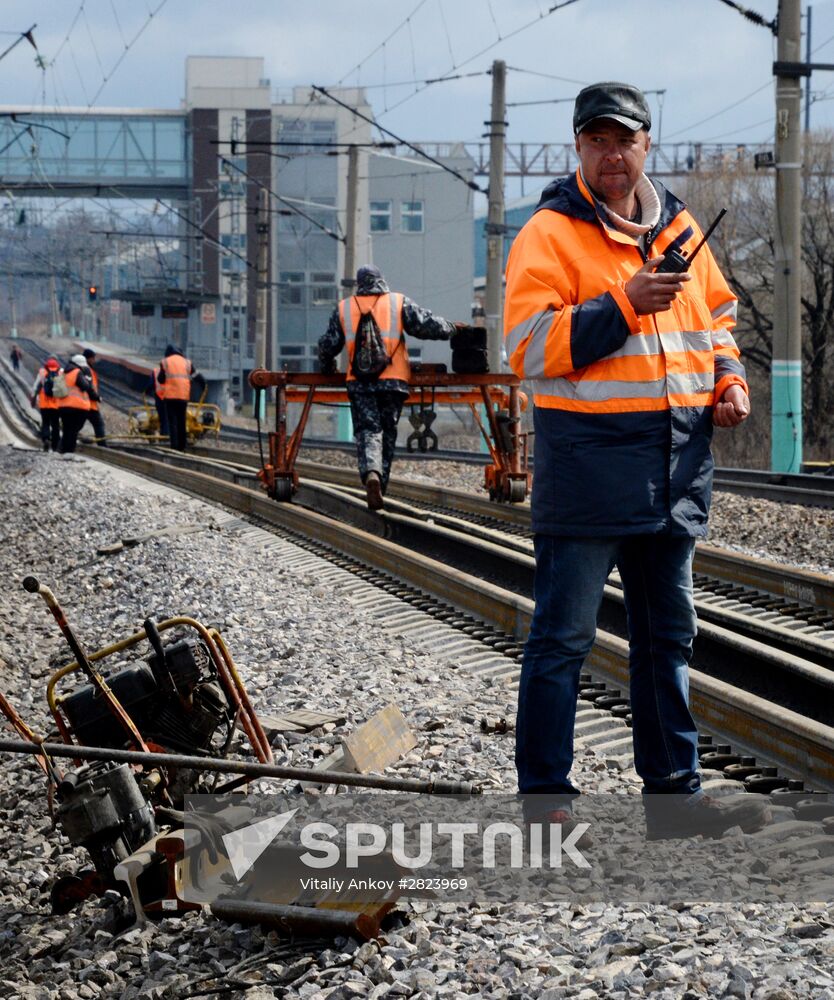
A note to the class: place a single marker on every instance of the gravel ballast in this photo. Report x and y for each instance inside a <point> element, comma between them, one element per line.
<point>298,645</point>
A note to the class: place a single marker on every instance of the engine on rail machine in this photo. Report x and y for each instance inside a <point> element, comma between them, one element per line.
<point>174,698</point>
<point>140,739</point>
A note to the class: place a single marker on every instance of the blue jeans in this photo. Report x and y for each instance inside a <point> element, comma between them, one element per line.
<point>656,571</point>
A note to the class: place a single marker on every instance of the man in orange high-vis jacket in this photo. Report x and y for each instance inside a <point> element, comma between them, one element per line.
<point>94,415</point>
<point>41,396</point>
<point>376,404</point>
<point>75,406</point>
<point>630,369</point>
<point>174,376</point>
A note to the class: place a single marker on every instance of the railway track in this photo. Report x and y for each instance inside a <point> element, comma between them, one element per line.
<point>775,732</point>
<point>804,489</point>
<point>790,608</point>
<point>780,719</point>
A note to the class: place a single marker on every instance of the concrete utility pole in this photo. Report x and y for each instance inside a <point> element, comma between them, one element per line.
<point>808,60</point>
<point>56,330</point>
<point>351,221</point>
<point>262,320</point>
<point>12,307</point>
<point>262,299</point>
<point>344,423</point>
<point>494,291</point>
<point>786,375</point>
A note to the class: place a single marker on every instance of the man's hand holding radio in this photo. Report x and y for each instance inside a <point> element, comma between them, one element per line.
<point>650,292</point>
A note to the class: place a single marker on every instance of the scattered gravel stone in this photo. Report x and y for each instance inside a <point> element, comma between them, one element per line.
<point>298,646</point>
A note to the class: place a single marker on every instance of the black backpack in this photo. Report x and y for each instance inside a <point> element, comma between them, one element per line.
<point>48,389</point>
<point>370,357</point>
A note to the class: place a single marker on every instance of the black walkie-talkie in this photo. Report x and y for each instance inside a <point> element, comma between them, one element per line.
<point>675,263</point>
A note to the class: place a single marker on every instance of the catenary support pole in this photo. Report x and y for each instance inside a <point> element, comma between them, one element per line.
<point>262,300</point>
<point>344,430</point>
<point>12,307</point>
<point>786,376</point>
<point>494,292</point>
<point>808,60</point>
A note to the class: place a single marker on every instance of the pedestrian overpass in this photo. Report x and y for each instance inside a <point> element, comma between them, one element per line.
<point>109,153</point>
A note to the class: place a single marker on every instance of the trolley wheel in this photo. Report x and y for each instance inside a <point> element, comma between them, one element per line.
<point>518,491</point>
<point>283,490</point>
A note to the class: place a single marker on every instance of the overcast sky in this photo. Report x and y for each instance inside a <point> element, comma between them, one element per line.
<point>715,66</point>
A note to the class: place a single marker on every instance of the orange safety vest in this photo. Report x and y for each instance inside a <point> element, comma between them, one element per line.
<point>682,357</point>
<point>77,398</point>
<point>158,387</point>
<point>387,310</point>
<point>177,384</point>
<point>46,402</point>
<point>94,377</point>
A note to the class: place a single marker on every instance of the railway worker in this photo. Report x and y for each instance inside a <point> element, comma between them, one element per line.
<point>376,405</point>
<point>630,369</point>
<point>42,397</point>
<point>94,414</point>
<point>174,375</point>
<point>75,406</point>
<point>16,357</point>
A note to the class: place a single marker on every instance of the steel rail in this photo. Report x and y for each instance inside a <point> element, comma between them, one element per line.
<point>804,747</point>
<point>775,578</point>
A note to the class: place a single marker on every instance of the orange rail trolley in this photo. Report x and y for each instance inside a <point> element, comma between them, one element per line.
<point>506,477</point>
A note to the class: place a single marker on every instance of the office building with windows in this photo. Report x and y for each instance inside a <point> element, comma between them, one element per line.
<point>413,221</point>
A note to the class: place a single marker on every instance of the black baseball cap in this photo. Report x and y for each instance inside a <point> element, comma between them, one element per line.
<point>619,101</point>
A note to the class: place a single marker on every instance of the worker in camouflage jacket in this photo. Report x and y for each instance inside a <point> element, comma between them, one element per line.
<point>376,404</point>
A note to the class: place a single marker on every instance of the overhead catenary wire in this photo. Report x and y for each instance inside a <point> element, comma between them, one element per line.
<point>284,201</point>
<point>405,22</point>
<point>539,17</point>
<point>751,15</point>
<point>416,149</point>
<point>729,107</point>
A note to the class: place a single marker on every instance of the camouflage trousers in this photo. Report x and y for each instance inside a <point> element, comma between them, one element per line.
<point>376,413</point>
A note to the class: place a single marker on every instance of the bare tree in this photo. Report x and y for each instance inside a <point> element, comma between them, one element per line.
<point>744,249</point>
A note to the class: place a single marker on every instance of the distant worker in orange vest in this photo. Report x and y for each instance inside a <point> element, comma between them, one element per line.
<point>75,405</point>
<point>42,397</point>
<point>376,401</point>
<point>94,415</point>
<point>174,375</point>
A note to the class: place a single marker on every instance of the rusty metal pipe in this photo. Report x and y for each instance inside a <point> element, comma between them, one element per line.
<point>34,586</point>
<point>442,786</point>
<point>298,919</point>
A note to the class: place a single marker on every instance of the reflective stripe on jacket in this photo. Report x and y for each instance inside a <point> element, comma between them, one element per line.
<point>94,380</point>
<point>177,384</point>
<point>77,398</point>
<point>45,402</point>
<point>623,402</point>
<point>387,310</point>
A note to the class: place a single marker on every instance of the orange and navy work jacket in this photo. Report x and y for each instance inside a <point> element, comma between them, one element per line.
<point>45,402</point>
<point>177,384</point>
<point>387,310</point>
<point>76,398</point>
<point>623,413</point>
